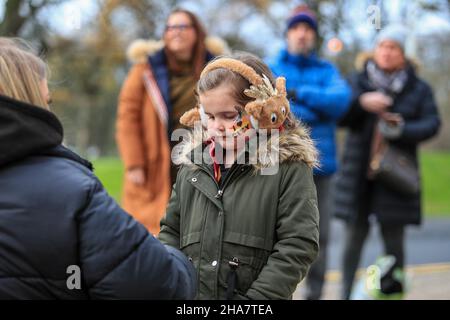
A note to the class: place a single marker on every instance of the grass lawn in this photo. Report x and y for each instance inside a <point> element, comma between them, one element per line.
<point>436,183</point>
<point>110,173</point>
<point>435,175</point>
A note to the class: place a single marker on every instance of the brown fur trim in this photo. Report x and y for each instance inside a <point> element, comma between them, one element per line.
<point>294,145</point>
<point>140,49</point>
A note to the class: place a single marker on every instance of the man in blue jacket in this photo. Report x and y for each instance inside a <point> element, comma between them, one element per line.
<point>319,97</point>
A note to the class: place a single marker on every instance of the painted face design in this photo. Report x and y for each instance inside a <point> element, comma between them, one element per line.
<point>242,124</point>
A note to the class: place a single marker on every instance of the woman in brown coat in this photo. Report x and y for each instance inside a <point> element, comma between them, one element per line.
<point>158,90</point>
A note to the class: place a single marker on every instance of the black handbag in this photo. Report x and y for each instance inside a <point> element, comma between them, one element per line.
<point>396,170</point>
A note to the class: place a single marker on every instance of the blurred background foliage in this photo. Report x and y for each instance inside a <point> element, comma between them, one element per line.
<point>85,42</point>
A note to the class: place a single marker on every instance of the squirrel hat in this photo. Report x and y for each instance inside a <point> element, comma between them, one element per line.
<point>269,107</point>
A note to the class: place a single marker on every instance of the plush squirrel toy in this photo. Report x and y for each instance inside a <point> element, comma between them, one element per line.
<point>270,107</point>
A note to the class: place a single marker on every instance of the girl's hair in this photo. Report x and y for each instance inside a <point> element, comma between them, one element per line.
<point>21,72</point>
<point>199,51</point>
<point>221,76</point>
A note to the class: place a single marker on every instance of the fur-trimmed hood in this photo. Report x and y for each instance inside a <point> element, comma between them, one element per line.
<point>362,58</point>
<point>294,145</point>
<point>140,49</point>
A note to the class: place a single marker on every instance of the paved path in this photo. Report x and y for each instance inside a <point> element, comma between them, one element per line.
<point>428,243</point>
<point>426,282</point>
<point>427,259</point>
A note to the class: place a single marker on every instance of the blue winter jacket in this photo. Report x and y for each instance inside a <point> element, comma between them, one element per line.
<point>319,96</point>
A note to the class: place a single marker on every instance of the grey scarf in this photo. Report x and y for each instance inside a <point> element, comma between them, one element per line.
<point>388,83</point>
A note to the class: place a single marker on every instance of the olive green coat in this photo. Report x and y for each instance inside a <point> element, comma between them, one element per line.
<point>266,224</point>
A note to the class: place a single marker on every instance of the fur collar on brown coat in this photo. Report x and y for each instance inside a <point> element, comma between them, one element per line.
<point>139,50</point>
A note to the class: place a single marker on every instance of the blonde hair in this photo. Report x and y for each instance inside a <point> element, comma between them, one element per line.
<point>21,72</point>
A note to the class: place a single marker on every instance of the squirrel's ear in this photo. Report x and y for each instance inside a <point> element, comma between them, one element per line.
<point>281,85</point>
<point>189,118</point>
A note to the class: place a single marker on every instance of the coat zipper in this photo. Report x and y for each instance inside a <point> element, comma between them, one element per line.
<point>218,196</point>
<point>226,182</point>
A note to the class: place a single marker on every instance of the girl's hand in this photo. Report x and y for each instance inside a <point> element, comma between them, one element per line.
<point>136,175</point>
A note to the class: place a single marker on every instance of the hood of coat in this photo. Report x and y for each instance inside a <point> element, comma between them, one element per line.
<point>140,49</point>
<point>362,58</point>
<point>26,130</point>
<point>294,145</point>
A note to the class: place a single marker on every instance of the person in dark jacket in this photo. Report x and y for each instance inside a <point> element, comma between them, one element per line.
<point>61,235</point>
<point>389,101</point>
<point>320,97</point>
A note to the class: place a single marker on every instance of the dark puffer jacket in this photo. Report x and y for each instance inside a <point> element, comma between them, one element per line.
<point>54,213</point>
<point>355,195</point>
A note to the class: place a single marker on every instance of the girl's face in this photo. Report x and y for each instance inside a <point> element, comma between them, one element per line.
<point>222,112</point>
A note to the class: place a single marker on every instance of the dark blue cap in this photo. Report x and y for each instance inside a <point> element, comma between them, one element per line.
<point>302,14</point>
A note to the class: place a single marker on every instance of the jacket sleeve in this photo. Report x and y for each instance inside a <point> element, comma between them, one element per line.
<point>354,117</point>
<point>297,236</point>
<point>170,223</point>
<point>121,260</point>
<point>427,124</point>
<point>129,131</point>
<point>331,99</point>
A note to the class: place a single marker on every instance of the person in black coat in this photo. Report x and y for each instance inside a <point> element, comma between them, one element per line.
<point>387,96</point>
<point>61,235</point>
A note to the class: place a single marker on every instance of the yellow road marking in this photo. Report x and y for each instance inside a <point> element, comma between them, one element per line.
<point>335,276</point>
